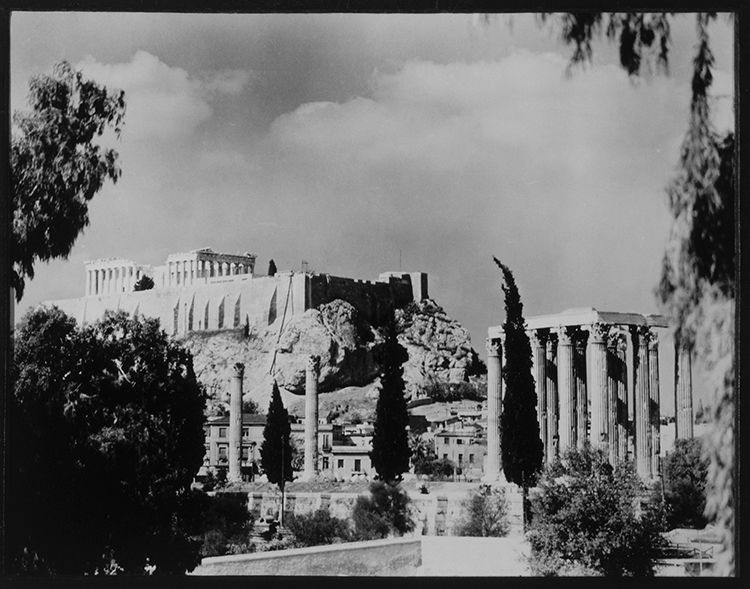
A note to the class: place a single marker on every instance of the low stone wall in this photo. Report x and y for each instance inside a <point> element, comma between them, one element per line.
<point>388,557</point>
<point>435,514</point>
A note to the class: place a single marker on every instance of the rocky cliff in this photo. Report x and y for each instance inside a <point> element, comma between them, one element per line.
<point>439,350</point>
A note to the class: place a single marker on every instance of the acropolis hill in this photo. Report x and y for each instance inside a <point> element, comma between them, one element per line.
<point>225,313</point>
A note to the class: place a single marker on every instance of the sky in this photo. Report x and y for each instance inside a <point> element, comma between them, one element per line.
<point>368,143</point>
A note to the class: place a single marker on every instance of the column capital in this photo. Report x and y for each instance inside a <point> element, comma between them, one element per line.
<point>642,332</point>
<point>598,333</point>
<point>238,370</point>
<point>565,335</point>
<point>313,364</point>
<point>493,346</point>
<point>538,337</point>
<point>616,340</point>
<point>653,343</point>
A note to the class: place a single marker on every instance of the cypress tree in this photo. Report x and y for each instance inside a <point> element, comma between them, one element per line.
<point>271,268</point>
<point>276,450</point>
<point>520,443</point>
<point>390,445</point>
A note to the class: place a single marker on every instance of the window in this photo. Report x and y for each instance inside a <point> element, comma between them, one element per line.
<point>222,432</point>
<point>341,463</point>
<point>445,457</point>
<point>245,452</point>
<point>459,441</point>
<point>222,453</point>
<point>471,459</point>
<point>325,462</point>
<point>245,432</point>
<point>446,440</point>
<point>460,458</point>
<point>357,464</point>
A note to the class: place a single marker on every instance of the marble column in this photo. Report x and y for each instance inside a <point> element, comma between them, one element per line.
<point>640,335</point>
<point>494,400</point>
<point>553,440</point>
<point>538,339</point>
<point>88,282</point>
<point>613,382</point>
<point>582,401</point>
<point>683,391</point>
<point>654,406</point>
<point>312,373</point>
<point>623,430</point>
<point>597,383</point>
<point>235,424</point>
<point>566,390</point>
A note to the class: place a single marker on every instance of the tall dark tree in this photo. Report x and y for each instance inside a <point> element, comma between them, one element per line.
<point>271,268</point>
<point>105,437</point>
<point>144,283</point>
<point>390,444</point>
<point>57,166</point>
<point>520,443</point>
<point>276,449</point>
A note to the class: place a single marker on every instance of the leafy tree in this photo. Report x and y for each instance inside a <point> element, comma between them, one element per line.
<point>105,437</point>
<point>385,512</point>
<point>250,406</point>
<point>390,446</point>
<point>318,528</point>
<point>226,524</point>
<point>486,513</point>
<point>685,472</point>
<point>521,445</point>
<point>276,449</point>
<point>272,268</point>
<point>585,514</point>
<point>56,165</point>
<point>144,283</point>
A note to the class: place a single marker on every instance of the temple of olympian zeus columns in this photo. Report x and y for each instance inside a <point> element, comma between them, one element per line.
<point>581,371</point>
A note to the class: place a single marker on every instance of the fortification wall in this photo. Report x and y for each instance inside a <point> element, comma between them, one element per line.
<point>236,301</point>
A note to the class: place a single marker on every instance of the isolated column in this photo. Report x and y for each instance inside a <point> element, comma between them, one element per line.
<point>653,377</point>
<point>683,390</point>
<point>642,401</point>
<point>538,341</point>
<point>235,424</point>
<point>582,401</point>
<point>552,407</point>
<point>566,390</point>
<point>597,383</point>
<point>494,399</point>
<point>311,417</point>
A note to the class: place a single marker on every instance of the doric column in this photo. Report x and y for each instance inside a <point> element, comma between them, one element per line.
<point>613,384</point>
<point>235,424</point>
<point>654,406</point>
<point>582,401</point>
<point>494,401</point>
<point>311,417</point>
<point>553,440</point>
<point>597,383</point>
<point>640,335</point>
<point>566,390</point>
<point>538,339</point>
<point>683,417</point>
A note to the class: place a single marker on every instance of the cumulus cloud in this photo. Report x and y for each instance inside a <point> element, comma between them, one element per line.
<point>163,102</point>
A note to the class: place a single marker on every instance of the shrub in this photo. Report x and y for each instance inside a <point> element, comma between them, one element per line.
<point>585,514</point>
<point>486,513</point>
<point>317,528</point>
<point>385,512</point>
<point>440,391</point>
<point>226,525</point>
<point>685,472</point>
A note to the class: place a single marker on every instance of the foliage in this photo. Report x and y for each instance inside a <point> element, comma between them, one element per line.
<point>249,406</point>
<point>226,524</point>
<point>57,166</point>
<point>685,472</point>
<point>425,461</point>
<point>440,391</point>
<point>318,528</point>
<point>271,268</point>
<point>144,283</point>
<point>486,513</point>
<point>585,515</point>
<point>390,446</point>
<point>276,449</point>
<point>521,445</point>
<point>298,454</point>
<point>106,436</point>
<point>385,512</point>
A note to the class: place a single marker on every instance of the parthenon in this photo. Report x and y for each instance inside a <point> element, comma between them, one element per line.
<point>581,371</point>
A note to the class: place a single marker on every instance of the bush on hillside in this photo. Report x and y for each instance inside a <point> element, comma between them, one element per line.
<point>486,513</point>
<point>319,527</point>
<point>384,513</point>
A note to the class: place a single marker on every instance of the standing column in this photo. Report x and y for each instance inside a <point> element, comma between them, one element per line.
<point>597,383</point>
<point>88,282</point>
<point>311,417</point>
<point>683,416</point>
<point>654,407</point>
<point>613,378</point>
<point>494,400</point>
<point>640,336</point>
<point>582,401</point>
<point>566,390</point>
<point>552,409</point>
<point>623,430</point>
<point>538,341</point>
<point>235,424</point>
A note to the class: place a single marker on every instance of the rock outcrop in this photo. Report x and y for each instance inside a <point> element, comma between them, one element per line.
<point>439,350</point>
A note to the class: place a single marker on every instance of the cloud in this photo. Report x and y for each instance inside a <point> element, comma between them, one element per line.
<point>163,102</point>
